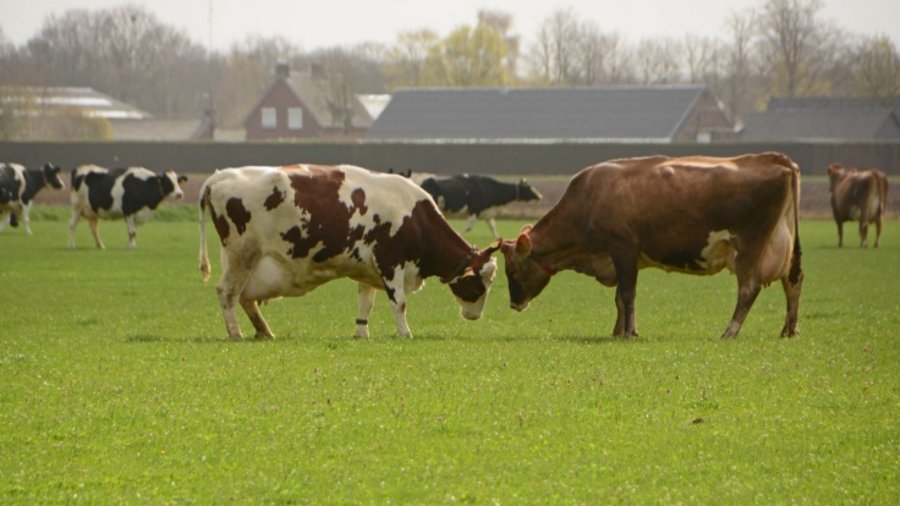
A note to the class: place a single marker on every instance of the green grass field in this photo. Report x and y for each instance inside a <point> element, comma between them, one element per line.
<point>119,386</point>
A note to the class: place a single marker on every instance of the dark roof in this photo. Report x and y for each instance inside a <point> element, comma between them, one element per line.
<point>822,118</point>
<point>646,113</point>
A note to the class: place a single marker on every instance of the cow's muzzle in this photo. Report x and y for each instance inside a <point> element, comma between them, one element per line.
<point>518,307</point>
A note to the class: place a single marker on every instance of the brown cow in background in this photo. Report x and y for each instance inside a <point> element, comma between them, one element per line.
<point>858,195</point>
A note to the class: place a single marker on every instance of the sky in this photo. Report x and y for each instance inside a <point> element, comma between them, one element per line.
<point>318,24</point>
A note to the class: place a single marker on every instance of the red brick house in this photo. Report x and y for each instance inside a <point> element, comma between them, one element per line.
<point>304,105</point>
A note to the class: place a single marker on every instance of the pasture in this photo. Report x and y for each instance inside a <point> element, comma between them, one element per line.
<point>119,385</point>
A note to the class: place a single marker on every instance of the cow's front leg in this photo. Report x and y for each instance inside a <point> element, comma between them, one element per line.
<point>95,231</point>
<point>366,302</point>
<point>397,295</point>
<point>73,222</point>
<point>747,291</point>
<point>4,220</point>
<point>26,219</point>
<point>840,226</point>
<point>256,318</point>
<point>619,327</point>
<point>132,232</point>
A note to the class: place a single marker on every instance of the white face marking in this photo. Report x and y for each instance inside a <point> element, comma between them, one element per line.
<point>473,310</point>
<point>176,193</point>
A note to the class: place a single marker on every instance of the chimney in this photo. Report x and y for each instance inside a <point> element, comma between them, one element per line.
<point>282,70</point>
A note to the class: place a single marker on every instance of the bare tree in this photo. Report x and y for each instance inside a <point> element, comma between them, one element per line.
<point>876,70</point>
<point>739,64</point>
<point>657,61</point>
<point>799,45</point>
<point>553,54</point>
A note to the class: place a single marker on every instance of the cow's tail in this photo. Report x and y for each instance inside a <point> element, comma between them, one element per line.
<point>882,190</point>
<point>201,219</point>
<point>796,272</point>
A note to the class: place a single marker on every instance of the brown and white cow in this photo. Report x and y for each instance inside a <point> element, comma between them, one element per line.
<point>858,195</point>
<point>696,215</point>
<point>286,230</point>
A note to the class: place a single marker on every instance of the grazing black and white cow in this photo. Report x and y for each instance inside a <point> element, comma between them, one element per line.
<point>18,187</point>
<point>132,193</point>
<point>473,196</point>
<point>286,230</point>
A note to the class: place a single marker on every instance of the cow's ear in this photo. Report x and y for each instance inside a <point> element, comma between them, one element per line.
<point>493,247</point>
<point>523,244</point>
<point>182,179</point>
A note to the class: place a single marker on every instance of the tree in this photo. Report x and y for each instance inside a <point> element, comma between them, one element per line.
<point>468,57</point>
<point>798,44</point>
<point>876,70</point>
<point>657,61</point>
<point>553,56</point>
<point>405,60</point>
<point>124,52</point>
<point>739,78</point>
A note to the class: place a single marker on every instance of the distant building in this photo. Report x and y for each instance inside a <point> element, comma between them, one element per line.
<point>81,113</point>
<point>822,118</point>
<point>684,113</point>
<point>303,105</point>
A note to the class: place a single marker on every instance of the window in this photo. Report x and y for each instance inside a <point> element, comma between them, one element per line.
<point>269,119</point>
<point>295,118</point>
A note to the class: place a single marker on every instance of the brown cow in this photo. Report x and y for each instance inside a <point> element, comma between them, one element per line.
<point>858,195</point>
<point>696,215</point>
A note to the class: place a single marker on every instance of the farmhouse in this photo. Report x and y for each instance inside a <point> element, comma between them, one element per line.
<point>309,105</point>
<point>662,114</point>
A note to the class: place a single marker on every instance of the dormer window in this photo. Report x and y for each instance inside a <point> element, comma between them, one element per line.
<point>268,117</point>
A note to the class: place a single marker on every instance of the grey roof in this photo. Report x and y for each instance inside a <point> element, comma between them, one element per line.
<point>647,113</point>
<point>822,118</point>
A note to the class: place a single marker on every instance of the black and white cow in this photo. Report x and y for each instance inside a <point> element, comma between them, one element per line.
<point>18,187</point>
<point>286,230</point>
<point>474,196</point>
<point>132,193</point>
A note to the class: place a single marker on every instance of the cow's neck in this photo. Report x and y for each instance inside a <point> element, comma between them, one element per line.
<point>449,254</point>
<point>555,239</point>
<point>34,181</point>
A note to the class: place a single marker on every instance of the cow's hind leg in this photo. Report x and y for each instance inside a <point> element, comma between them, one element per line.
<point>366,302</point>
<point>878,225</point>
<point>470,223</point>
<point>95,231</point>
<point>73,223</point>
<point>235,275</point>
<point>625,261</point>
<point>840,227</point>
<point>251,307</point>
<point>863,232</point>
<point>493,227</point>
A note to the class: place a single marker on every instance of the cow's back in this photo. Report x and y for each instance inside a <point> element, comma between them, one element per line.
<point>309,216</point>
<point>679,211</point>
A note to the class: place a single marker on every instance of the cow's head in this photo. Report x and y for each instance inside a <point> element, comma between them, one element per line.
<point>836,173</point>
<point>526,192</point>
<point>51,176</point>
<point>472,286</point>
<point>527,275</point>
<point>170,181</point>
